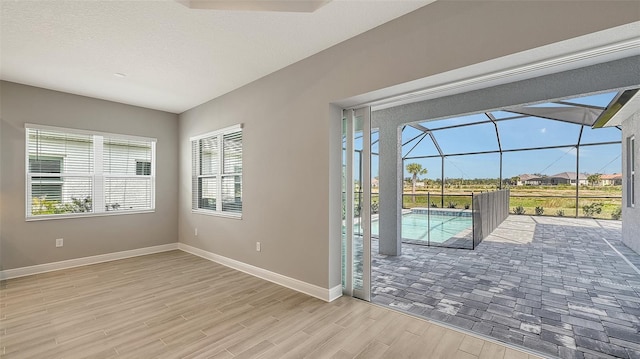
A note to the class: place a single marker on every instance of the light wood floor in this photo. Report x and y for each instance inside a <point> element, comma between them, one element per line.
<point>176,305</point>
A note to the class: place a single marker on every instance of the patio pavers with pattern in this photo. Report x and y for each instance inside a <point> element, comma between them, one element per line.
<point>548,284</point>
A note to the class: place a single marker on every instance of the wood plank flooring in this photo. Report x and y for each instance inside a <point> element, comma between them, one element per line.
<point>176,305</point>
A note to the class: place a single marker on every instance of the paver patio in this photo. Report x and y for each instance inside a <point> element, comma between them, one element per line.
<point>549,284</point>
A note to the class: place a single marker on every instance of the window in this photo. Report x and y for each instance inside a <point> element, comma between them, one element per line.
<point>143,168</point>
<point>631,171</point>
<point>217,172</point>
<point>46,187</point>
<point>73,173</point>
<point>125,187</point>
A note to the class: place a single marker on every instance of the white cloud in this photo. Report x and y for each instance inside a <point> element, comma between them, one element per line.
<point>543,130</point>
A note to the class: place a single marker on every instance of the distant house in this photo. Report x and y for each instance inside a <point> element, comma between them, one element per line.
<point>375,183</point>
<point>566,178</point>
<point>557,179</point>
<point>529,180</point>
<point>611,180</point>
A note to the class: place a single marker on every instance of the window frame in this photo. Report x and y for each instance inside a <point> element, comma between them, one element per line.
<point>631,171</point>
<point>218,175</point>
<point>97,176</point>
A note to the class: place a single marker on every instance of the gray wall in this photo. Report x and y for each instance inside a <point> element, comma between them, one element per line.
<point>292,133</point>
<point>30,243</point>
<point>631,216</point>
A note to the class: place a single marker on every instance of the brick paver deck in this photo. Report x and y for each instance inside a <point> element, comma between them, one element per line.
<point>549,284</point>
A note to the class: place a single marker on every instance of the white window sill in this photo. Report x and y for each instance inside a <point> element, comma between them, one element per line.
<point>86,215</point>
<point>217,214</point>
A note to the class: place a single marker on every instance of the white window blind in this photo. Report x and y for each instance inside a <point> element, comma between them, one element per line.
<point>75,173</point>
<point>217,172</point>
<point>45,186</point>
<point>125,184</point>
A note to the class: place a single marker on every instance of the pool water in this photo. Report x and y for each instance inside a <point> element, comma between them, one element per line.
<point>416,226</point>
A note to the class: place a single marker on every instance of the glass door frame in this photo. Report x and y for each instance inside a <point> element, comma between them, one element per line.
<point>357,121</point>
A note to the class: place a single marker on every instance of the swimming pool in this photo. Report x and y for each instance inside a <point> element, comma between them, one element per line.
<point>416,226</point>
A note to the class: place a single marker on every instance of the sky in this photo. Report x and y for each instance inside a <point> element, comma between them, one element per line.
<point>514,134</point>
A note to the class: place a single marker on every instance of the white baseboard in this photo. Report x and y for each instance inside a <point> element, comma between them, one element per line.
<point>335,292</point>
<point>77,262</point>
<point>325,294</point>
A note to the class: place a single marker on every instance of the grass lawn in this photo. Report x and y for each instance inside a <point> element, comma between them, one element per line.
<point>554,200</point>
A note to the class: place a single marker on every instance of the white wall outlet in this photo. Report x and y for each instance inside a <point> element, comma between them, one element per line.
<point>196,231</point>
<point>257,246</point>
<point>59,242</point>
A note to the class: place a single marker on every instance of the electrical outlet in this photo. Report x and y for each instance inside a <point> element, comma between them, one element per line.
<point>196,231</point>
<point>257,246</point>
<point>59,242</point>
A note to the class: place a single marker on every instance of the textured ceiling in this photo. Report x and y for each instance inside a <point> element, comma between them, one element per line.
<point>174,57</point>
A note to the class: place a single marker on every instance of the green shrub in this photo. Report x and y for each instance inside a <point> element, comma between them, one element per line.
<point>592,209</point>
<point>519,210</point>
<point>466,206</point>
<point>560,213</point>
<point>617,213</point>
<point>81,205</point>
<point>539,211</point>
<point>42,205</point>
<point>452,205</point>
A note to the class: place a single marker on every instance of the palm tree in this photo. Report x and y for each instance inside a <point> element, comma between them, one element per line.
<point>415,169</point>
<point>594,179</point>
